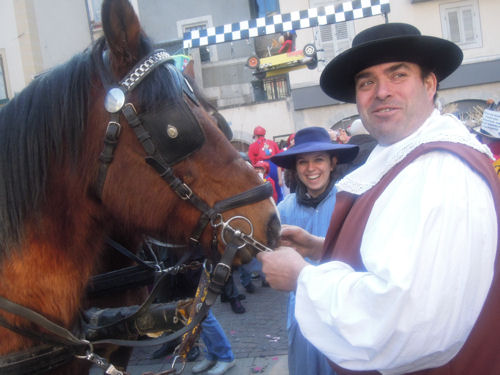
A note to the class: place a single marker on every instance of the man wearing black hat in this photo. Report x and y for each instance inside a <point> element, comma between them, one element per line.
<point>410,278</point>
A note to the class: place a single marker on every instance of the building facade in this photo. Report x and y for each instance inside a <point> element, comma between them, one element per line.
<point>285,104</point>
<point>36,36</point>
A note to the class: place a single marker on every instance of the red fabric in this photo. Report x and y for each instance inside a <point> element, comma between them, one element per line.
<point>262,164</point>
<point>262,149</point>
<point>275,194</point>
<point>495,149</point>
<point>286,46</point>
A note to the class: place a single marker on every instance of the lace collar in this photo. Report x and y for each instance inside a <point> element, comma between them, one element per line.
<point>436,128</point>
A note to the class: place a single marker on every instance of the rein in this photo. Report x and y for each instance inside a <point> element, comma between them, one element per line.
<point>159,159</point>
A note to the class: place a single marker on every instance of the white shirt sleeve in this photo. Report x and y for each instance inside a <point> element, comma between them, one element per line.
<point>428,248</point>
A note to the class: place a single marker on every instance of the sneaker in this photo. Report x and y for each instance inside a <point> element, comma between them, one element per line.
<point>203,366</point>
<point>250,288</point>
<point>193,354</point>
<point>221,367</point>
<point>236,306</point>
<point>224,299</point>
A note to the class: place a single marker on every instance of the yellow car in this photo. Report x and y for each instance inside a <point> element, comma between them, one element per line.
<point>284,62</point>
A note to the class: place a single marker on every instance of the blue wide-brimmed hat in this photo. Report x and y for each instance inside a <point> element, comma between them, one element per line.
<point>314,139</point>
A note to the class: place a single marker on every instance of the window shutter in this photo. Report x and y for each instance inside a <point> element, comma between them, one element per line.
<point>468,22</point>
<point>343,37</point>
<point>454,26</point>
<point>461,24</point>
<point>331,39</point>
<point>324,42</point>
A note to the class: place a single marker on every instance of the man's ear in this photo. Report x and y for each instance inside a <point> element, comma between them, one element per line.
<point>430,83</point>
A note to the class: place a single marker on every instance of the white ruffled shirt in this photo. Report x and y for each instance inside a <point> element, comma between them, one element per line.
<point>428,248</point>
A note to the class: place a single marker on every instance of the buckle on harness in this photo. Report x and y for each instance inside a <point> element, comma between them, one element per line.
<point>221,270</point>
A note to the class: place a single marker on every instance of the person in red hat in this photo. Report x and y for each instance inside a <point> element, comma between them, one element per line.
<point>263,149</point>
<point>262,168</point>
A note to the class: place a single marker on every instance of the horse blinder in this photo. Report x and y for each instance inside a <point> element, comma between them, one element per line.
<point>175,132</point>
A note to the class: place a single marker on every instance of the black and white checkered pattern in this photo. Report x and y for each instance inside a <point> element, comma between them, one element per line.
<point>347,11</point>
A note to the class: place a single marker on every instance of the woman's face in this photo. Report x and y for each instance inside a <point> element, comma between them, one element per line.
<point>313,169</point>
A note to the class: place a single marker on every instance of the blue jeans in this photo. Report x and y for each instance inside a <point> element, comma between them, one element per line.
<point>218,347</point>
<point>247,269</point>
<point>230,289</point>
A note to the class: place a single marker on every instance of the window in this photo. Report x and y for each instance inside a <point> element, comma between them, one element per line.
<point>276,88</point>
<point>332,39</point>
<point>207,53</point>
<point>3,83</point>
<point>204,51</point>
<point>460,23</point>
<point>268,89</point>
<point>267,8</point>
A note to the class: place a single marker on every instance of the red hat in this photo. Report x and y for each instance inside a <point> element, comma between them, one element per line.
<point>262,164</point>
<point>259,130</point>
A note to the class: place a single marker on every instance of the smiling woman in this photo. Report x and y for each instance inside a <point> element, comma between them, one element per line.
<point>314,169</point>
<point>314,157</point>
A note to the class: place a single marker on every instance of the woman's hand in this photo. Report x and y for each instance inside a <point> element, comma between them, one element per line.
<point>302,241</point>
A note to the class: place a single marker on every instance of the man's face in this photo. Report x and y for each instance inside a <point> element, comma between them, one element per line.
<point>393,100</point>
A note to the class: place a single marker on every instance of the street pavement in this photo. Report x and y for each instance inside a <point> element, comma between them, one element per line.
<point>258,337</point>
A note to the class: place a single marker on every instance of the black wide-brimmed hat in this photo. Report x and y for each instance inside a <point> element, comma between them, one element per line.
<point>314,139</point>
<point>385,43</point>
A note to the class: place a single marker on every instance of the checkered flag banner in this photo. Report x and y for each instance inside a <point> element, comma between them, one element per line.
<point>347,11</point>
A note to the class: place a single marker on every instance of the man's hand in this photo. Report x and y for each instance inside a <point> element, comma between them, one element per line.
<point>282,267</point>
<point>301,240</point>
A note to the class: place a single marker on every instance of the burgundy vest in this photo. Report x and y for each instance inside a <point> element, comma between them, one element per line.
<point>481,352</point>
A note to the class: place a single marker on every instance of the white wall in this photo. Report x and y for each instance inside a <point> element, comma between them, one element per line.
<point>275,117</point>
<point>63,29</point>
<point>9,47</point>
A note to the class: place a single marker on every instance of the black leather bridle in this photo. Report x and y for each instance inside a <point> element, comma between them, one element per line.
<point>167,140</point>
<point>177,134</point>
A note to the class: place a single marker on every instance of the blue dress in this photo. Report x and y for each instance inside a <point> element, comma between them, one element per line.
<point>303,357</point>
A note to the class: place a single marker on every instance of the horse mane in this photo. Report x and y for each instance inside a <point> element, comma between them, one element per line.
<point>37,126</point>
<point>43,126</point>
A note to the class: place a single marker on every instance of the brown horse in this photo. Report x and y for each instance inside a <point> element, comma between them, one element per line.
<point>63,190</point>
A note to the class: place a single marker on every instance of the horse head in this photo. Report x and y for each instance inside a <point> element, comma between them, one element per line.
<point>167,128</point>
<point>113,141</point>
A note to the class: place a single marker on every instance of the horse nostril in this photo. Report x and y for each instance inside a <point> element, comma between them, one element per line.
<point>273,231</point>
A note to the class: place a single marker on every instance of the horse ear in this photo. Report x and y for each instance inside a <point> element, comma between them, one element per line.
<point>122,32</point>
